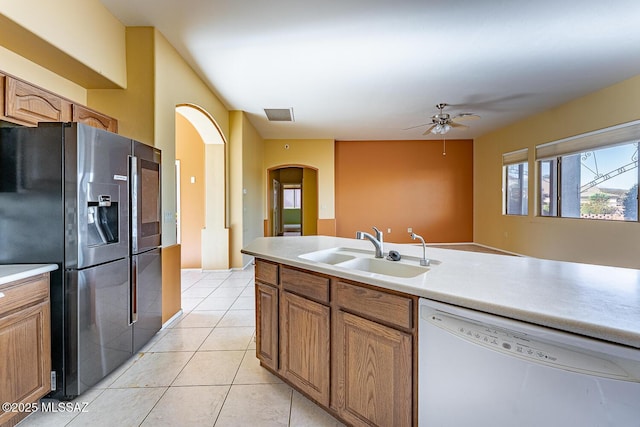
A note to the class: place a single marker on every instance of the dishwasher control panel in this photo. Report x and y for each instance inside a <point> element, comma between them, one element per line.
<point>522,345</point>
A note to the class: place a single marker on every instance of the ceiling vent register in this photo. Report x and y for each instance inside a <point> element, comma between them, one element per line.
<point>279,114</point>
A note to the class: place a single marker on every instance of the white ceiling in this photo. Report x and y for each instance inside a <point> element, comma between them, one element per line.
<point>369,69</point>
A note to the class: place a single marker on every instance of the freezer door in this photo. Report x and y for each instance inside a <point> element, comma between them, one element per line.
<point>97,324</point>
<point>99,211</point>
<point>146,286</point>
<point>146,226</point>
<point>31,195</point>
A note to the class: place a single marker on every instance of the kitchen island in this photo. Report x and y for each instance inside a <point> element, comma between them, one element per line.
<point>596,301</point>
<point>341,326</point>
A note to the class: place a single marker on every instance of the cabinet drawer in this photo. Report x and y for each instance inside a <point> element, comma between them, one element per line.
<point>377,305</point>
<point>267,272</point>
<point>22,293</point>
<point>309,285</point>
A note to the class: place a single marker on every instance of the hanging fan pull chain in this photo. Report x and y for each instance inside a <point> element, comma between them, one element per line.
<point>444,145</point>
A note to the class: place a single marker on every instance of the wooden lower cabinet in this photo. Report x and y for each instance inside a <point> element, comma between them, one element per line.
<point>373,372</point>
<point>350,347</point>
<point>267,325</point>
<point>25,344</point>
<point>304,345</point>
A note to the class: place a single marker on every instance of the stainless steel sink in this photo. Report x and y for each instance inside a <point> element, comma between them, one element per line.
<point>363,261</point>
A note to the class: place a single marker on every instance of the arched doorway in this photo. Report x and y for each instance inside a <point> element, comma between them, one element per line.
<point>201,190</point>
<point>292,201</point>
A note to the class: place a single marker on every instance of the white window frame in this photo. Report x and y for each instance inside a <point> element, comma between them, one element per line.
<point>512,158</point>
<point>625,133</point>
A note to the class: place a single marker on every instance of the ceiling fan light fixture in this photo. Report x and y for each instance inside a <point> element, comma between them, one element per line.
<point>441,128</point>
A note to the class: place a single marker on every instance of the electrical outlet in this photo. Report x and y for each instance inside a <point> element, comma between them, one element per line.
<point>388,230</point>
<point>409,230</point>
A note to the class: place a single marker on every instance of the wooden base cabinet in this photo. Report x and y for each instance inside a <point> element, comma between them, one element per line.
<point>267,325</point>
<point>350,347</point>
<point>25,345</point>
<point>304,345</point>
<point>373,372</point>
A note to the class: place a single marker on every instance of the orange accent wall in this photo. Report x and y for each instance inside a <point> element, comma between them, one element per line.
<point>327,227</point>
<point>400,184</point>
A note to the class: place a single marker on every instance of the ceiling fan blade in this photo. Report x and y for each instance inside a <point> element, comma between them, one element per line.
<point>458,125</point>
<point>465,116</point>
<point>428,131</point>
<point>418,126</point>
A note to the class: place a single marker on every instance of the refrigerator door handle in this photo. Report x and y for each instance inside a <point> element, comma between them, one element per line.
<point>133,200</point>
<point>133,295</point>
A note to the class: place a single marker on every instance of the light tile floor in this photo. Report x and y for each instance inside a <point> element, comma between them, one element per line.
<point>200,370</point>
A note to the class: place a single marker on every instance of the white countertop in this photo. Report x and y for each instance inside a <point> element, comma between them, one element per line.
<point>596,301</point>
<point>13,272</point>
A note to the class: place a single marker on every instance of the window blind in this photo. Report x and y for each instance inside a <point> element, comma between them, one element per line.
<point>514,157</point>
<point>619,134</point>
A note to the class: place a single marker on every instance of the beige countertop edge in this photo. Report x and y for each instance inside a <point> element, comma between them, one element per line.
<point>13,272</point>
<point>483,284</point>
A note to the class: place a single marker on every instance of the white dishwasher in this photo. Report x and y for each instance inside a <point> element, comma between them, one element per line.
<point>479,370</point>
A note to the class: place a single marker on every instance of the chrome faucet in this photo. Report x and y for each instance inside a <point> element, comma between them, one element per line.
<point>377,241</point>
<point>424,261</point>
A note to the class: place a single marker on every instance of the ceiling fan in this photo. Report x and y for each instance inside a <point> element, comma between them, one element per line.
<point>442,122</point>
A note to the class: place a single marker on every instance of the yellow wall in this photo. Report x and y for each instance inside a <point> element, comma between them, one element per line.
<point>176,83</point>
<point>133,106</point>
<point>589,241</point>
<point>246,186</point>
<point>253,185</point>
<point>79,39</point>
<point>317,153</point>
<point>16,65</point>
<point>309,202</point>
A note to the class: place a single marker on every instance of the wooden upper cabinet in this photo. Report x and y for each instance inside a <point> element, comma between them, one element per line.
<point>82,114</point>
<point>29,104</point>
<point>26,104</point>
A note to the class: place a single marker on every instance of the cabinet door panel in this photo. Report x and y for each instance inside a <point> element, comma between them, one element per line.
<point>25,365</point>
<point>304,335</point>
<point>373,373</point>
<point>267,325</point>
<point>93,118</point>
<point>30,104</point>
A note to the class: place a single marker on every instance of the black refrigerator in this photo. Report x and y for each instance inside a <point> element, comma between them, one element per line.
<point>66,198</point>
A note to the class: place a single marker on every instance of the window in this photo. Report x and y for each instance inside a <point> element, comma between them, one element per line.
<point>593,176</point>
<point>291,197</point>
<point>516,182</point>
